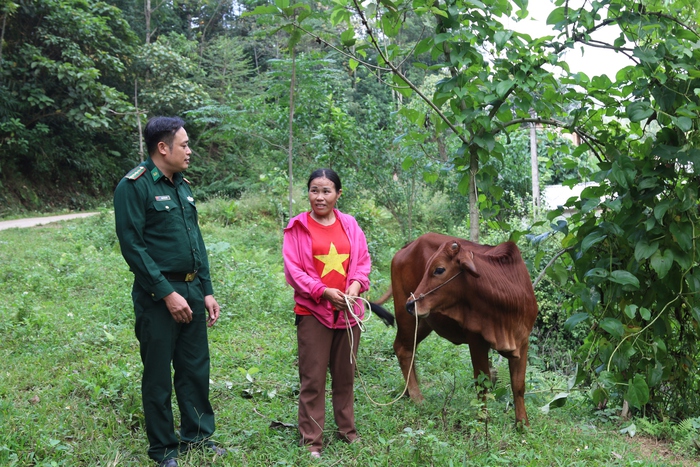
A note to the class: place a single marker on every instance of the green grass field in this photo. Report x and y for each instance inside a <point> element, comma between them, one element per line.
<point>70,372</point>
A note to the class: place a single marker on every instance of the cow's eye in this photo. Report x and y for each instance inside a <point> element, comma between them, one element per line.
<point>439,271</point>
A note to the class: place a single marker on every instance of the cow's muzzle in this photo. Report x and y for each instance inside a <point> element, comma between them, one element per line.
<point>411,307</point>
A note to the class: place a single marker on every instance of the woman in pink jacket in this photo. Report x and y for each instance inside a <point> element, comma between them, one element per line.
<point>325,260</point>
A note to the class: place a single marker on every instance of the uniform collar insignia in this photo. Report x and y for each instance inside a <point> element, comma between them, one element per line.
<point>156,173</point>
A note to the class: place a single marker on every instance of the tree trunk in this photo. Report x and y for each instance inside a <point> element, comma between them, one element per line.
<point>535,170</point>
<point>2,34</point>
<point>138,117</point>
<point>147,11</point>
<point>473,196</point>
<point>291,134</point>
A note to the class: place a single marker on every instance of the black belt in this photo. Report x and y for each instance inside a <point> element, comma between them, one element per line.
<point>180,276</point>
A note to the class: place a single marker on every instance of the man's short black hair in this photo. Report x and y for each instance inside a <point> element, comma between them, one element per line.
<point>161,129</point>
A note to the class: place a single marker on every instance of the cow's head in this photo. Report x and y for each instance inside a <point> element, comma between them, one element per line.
<point>441,284</point>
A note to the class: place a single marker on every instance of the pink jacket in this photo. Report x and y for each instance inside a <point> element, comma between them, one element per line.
<point>302,275</point>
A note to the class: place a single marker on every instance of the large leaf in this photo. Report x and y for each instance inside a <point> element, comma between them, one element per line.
<point>639,110</point>
<point>612,326</point>
<point>574,320</point>
<point>644,250</point>
<point>683,235</point>
<point>637,392</point>
<point>558,401</point>
<point>662,262</point>
<point>624,278</point>
<point>591,239</point>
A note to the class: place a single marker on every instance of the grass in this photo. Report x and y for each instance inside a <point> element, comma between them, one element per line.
<point>70,372</point>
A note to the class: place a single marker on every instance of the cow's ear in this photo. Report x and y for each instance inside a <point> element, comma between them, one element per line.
<point>466,262</point>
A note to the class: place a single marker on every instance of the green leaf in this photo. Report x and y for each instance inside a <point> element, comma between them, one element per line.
<point>402,86</point>
<point>558,401</point>
<point>347,37</point>
<point>503,87</point>
<point>424,46</point>
<point>591,239</point>
<point>502,37</point>
<point>574,320</point>
<point>639,110</point>
<point>655,374</point>
<point>630,430</point>
<point>414,116</point>
<point>390,24</point>
<point>437,11</point>
<point>557,16</point>
<point>660,210</point>
<point>631,311</point>
<point>262,10</point>
<point>624,278</point>
<point>683,235</point>
<point>637,392</point>
<point>612,326</point>
<point>662,262</point>
<point>643,250</point>
<point>695,311</point>
<point>352,63</point>
<point>645,313</point>
<point>685,123</point>
<point>463,186</point>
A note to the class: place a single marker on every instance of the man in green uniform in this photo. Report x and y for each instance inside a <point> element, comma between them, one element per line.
<point>159,236</point>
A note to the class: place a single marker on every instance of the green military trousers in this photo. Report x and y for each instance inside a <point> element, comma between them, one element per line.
<point>163,341</point>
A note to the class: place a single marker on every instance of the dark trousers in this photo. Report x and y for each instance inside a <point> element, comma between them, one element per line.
<point>321,348</point>
<point>163,341</point>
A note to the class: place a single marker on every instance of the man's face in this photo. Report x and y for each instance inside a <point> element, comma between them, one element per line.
<point>178,158</point>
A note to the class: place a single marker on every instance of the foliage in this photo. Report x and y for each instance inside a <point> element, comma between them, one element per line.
<point>62,65</point>
<point>633,240</point>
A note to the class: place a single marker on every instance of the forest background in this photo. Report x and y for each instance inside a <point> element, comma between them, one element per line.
<point>426,109</point>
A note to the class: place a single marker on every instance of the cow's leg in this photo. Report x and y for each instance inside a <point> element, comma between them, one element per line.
<point>479,351</point>
<point>517,368</point>
<point>405,345</point>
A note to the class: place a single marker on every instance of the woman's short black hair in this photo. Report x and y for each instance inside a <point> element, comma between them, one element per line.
<point>325,173</point>
<point>161,129</point>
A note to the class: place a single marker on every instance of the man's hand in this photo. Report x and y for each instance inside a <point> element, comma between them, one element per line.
<point>178,307</point>
<point>212,308</point>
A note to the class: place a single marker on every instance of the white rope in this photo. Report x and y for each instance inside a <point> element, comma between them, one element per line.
<point>351,301</point>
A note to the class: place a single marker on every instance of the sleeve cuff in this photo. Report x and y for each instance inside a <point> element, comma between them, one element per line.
<point>160,290</point>
<point>207,288</point>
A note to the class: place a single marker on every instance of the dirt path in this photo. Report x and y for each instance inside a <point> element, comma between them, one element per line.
<point>32,221</point>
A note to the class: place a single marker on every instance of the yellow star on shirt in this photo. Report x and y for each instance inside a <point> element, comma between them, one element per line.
<point>332,261</point>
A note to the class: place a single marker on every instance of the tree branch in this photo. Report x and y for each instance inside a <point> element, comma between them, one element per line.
<point>551,261</point>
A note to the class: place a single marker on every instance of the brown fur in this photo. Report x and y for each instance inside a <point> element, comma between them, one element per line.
<point>490,304</point>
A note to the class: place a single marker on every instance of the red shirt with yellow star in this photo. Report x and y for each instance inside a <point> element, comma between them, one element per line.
<point>330,248</point>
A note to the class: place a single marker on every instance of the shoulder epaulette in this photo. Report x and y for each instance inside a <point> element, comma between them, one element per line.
<point>136,172</point>
<point>187,181</point>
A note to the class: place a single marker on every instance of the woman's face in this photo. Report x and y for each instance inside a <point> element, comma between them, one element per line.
<point>323,196</point>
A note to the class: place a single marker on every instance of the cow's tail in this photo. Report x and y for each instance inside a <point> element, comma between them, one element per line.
<point>382,312</point>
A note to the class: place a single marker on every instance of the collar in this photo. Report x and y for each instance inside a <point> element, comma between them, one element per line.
<point>156,173</point>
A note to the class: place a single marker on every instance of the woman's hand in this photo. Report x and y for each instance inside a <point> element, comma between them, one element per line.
<point>336,297</point>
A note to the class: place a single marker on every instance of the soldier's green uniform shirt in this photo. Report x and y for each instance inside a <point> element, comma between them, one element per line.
<point>158,229</point>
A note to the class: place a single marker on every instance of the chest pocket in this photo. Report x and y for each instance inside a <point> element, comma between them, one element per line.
<point>164,213</point>
<point>164,206</point>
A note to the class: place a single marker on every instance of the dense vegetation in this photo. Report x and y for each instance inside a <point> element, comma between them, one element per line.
<point>70,381</point>
<point>424,108</point>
